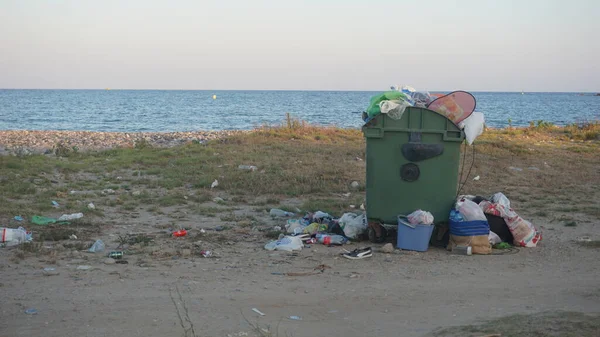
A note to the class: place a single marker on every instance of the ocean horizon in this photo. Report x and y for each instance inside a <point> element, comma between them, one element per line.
<point>170,110</point>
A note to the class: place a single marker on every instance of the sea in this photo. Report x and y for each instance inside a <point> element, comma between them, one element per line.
<point>203,110</point>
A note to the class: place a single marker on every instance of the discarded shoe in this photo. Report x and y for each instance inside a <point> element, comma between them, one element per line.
<point>359,253</point>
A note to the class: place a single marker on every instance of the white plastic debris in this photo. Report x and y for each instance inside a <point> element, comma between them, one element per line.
<point>74,216</point>
<point>214,184</point>
<point>91,206</point>
<point>98,246</point>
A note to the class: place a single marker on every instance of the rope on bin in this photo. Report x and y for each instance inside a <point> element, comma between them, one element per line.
<point>460,182</point>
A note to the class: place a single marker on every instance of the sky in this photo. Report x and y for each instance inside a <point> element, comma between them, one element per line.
<point>476,45</point>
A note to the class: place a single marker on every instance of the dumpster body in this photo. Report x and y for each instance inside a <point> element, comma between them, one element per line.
<point>412,163</point>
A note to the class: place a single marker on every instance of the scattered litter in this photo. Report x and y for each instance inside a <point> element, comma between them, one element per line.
<point>276,212</point>
<point>31,311</point>
<point>180,233</point>
<point>352,206</point>
<point>218,200</point>
<point>320,215</point>
<point>14,236</point>
<point>19,218</point>
<point>108,191</point>
<point>477,178</point>
<point>202,231</point>
<point>206,253</point>
<point>73,237</point>
<point>91,206</point>
<point>117,255</point>
<point>502,245</point>
<point>359,253</point>
<point>387,248</point>
<point>55,204</point>
<point>330,240</point>
<point>136,193</point>
<point>73,216</point>
<point>288,243</point>
<point>494,238</point>
<point>84,267</point>
<point>277,228</point>
<point>248,167</point>
<point>584,239</point>
<point>98,246</point>
<point>346,195</point>
<point>462,250</point>
<point>358,159</point>
<point>518,169</point>
<point>296,318</point>
<point>214,184</point>
<point>258,311</point>
<point>354,184</point>
<point>362,206</point>
<point>524,233</point>
<point>44,220</point>
<point>353,225</point>
<point>50,271</point>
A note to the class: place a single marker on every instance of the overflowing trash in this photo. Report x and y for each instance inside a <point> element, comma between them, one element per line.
<point>457,106</point>
<point>415,230</point>
<point>481,223</point>
<point>318,227</point>
<point>469,228</point>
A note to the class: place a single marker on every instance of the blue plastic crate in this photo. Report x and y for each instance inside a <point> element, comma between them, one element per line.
<point>413,237</point>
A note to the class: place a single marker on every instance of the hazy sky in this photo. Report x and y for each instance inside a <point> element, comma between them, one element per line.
<point>496,45</point>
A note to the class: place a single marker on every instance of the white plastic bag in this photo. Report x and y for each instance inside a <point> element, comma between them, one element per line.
<point>494,238</point>
<point>420,217</point>
<point>394,109</point>
<point>98,246</point>
<point>288,243</point>
<point>473,126</point>
<point>353,225</point>
<point>294,226</point>
<point>501,199</point>
<point>471,211</point>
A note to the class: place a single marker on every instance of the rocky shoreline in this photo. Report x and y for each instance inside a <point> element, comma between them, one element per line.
<point>22,142</point>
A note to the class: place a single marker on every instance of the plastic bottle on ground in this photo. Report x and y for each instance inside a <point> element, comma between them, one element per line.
<point>276,212</point>
<point>13,236</point>
<point>73,216</point>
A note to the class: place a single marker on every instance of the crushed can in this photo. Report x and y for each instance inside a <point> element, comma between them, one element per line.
<point>117,255</point>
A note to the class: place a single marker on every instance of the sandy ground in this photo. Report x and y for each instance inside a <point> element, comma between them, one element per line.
<point>405,293</point>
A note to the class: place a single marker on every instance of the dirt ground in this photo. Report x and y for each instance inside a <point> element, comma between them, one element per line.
<point>405,293</point>
<point>168,288</point>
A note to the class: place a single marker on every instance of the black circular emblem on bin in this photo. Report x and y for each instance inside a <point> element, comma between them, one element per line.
<point>409,172</point>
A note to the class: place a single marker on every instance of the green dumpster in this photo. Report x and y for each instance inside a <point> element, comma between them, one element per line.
<point>412,163</point>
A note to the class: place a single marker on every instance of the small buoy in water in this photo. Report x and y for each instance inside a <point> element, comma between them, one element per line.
<point>214,96</point>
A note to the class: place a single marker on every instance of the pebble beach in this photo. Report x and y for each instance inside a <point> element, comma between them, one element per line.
<point>26,142</point>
